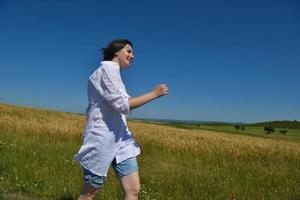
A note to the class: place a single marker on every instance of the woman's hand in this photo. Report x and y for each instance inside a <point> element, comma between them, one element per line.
<point>161,90</point>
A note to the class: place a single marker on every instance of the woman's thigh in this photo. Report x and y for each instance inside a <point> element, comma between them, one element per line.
<point>127,171</point>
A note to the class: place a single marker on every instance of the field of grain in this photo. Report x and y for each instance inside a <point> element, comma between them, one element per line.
<point>37,148</point>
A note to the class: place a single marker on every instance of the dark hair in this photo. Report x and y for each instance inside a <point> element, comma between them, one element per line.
<point>113,47</point>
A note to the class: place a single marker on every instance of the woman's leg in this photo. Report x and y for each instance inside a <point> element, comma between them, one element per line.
<point>92,184</point>
<point>88,192</point>
<point>131,185</point>
<point>127,171</point>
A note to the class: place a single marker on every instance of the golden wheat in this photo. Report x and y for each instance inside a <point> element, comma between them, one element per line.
<point>38,121</point>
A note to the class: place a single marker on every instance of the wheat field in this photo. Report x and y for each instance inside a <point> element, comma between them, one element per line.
<point>37,148</point>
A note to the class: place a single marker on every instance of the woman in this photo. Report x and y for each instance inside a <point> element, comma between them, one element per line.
<point>107,140</point>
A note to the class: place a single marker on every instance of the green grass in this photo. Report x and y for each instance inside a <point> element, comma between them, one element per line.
<point>37,150</point>
<point>251,130</point>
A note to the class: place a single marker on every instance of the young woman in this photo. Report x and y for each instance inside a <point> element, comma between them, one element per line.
<point>107,140</point>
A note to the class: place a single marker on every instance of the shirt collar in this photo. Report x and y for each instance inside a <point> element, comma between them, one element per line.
<point>111,63</point>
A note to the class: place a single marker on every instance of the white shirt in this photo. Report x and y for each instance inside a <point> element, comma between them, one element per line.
<point>106,135</point>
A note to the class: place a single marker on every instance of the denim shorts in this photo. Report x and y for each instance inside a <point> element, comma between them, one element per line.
<point>124,168</point>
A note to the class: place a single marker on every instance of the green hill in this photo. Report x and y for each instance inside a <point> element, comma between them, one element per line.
<point>279,124</point>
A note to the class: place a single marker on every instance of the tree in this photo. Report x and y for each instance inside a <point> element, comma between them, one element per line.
<point>243,128</point>
<point>283,132</point>
<point>237,127</point>
<point>269,129</point>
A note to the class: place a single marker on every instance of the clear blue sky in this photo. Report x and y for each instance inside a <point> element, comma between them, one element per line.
<point>222,60</point>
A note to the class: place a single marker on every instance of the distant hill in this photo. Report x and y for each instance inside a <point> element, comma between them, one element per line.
<point>185,122</point>
<point>279,124</point>
<point>276,124</point>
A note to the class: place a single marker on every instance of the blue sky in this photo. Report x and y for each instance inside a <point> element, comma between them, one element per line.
<point>222,60</point>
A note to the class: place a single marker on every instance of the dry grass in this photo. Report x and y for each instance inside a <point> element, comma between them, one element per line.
<point>39,121</point>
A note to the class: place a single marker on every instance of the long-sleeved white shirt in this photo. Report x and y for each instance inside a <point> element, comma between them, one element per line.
<point>106,135</point>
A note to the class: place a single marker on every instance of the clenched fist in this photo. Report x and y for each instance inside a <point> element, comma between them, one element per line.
<point>158,91</point>
<point>161,90</point>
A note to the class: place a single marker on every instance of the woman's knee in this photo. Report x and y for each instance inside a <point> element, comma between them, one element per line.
<point>86,197</point>
<point>133,190</point>
<point>88,192</point>
<point>136,189</point>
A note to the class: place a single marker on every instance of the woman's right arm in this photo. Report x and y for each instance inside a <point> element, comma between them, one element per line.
<point>157,92</point>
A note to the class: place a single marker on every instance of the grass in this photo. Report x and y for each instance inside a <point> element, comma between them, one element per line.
<point>37,148</point>
<point>250,130</point>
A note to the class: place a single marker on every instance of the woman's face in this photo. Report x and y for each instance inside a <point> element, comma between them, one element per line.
<point>124,57</point>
